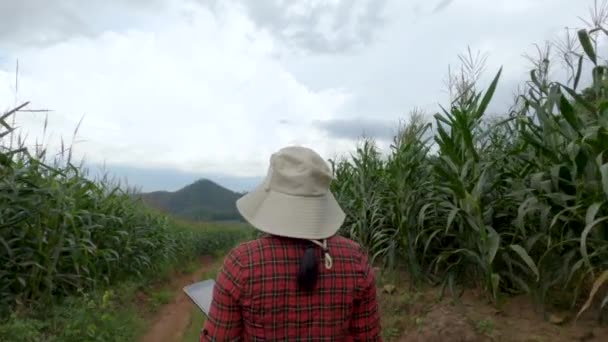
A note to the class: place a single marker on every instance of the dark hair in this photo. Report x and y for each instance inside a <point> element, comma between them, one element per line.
<point>309,269</point>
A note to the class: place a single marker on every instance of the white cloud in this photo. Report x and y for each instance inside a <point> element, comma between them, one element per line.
<point>205,95</point>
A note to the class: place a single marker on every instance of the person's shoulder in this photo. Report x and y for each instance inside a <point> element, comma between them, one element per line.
<point>239,250</point>
<point>245,249</point>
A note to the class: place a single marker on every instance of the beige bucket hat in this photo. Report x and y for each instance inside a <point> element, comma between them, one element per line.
<point>294,200</point>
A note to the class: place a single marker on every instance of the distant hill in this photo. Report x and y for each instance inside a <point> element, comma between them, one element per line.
<point>202,200</point>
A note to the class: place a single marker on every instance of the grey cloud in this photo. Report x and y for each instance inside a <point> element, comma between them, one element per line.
<point>382,131</point>
<point>320,28</point>
<point>44,22</point>
<point>34,21</point>
<point>341,26</point>
<point>357,128</point>
<point>442,5</point>
<point>323,27</point>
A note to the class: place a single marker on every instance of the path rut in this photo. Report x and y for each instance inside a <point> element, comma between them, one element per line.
<point>172,320</point>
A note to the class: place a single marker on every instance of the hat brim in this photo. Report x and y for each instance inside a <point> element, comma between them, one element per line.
<point>276,213</point>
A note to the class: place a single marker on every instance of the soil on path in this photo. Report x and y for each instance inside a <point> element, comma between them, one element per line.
<point>410,315</point>
<point>172,320</point>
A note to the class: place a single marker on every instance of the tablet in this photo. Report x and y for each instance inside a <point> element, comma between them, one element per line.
<point>201,294</point>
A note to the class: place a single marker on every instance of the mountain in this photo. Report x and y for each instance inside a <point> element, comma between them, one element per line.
<point>202,200</point>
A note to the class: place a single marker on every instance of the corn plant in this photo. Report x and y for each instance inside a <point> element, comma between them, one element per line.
<point>566,194</point>
<point>62,233</point>
<point>364,189</point>
<point>512,203</point>
<point>406,166</point>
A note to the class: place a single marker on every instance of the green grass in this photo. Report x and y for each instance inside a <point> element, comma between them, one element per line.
<point>484,326</point>
<point>119,314</point>
<point>161,298</point>
<point>93,316</point>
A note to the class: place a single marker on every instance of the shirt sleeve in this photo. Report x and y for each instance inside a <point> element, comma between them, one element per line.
<point>224,322</point>
<point>365,322</point>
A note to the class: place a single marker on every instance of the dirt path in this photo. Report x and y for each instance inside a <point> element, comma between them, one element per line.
<point>172,320</point>
<point>411,317</point>
<point>417,315</point>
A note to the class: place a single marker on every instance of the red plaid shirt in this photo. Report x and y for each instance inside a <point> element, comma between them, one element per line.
<point>256,296</point>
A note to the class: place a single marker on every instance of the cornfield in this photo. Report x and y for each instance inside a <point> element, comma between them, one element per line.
<point>514,204</point>
<point>62,233</point>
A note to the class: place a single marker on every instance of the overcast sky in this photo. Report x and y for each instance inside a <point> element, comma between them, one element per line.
<point>172,90</point>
